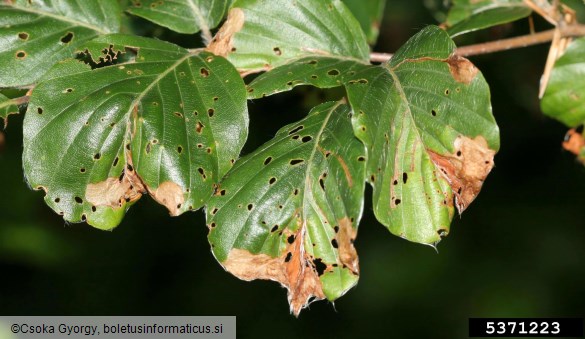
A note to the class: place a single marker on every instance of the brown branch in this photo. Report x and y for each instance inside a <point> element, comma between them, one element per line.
<point>504,44</point>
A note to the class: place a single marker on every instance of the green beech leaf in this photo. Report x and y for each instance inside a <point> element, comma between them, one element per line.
<point>564,98</point>
<point>183,16</point>
<point>425,118</point>
<point>471,15</point>
<point>7,106</point>
<point>34,35</point>
<point>289,211</point>
<point>168,122</point>
<point>264,34</point>
<point>369,14</point>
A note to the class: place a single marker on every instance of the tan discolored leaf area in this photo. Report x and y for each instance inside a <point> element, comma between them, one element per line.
<point>462,69</point>
<point>347,253</point>
<point>170,195</point>
<point>466,169</point>
<point>222,43</point>
<point>113,192</point>
<point>294,269</point>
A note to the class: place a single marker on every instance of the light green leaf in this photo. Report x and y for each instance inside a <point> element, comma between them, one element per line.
<point>369,14</point>
<point>168,122</point>
<point>265,34</point>
<point>471,15</point>
<point>7,106</point>
<point>183,16</point>
<point>34,35</point>
<point>289,211</point>
<point>564,98</point>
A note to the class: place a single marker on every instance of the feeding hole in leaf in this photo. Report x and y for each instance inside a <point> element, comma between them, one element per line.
<point>447,91</point>
<point>314,76</point>
<point>23,36</point>
<point>434,113</point>
<point>333,72</point>
<point>334,243</point>
<point>267,161</point>
<point>82,170</point>
<point>210,112</point>
<point>129,168</point>
<point>290,239</point>
<point>202,172</point>
<point>97,156</point>
<point>272,180</point>
<point>312,62</point>
<point>115,162</point>
<point>296,162</point>
<point>67,38</point>
<point>320,267</point>
<point>296,191</point>
<point>274,228</point>
<point>40,110</point>
<point>277,51</point>
<point>68,90</point>
<point>361,158</point>
<point>179,149</point>
<point>404,177</point>
<point>204,72</point>
<point>288,257</point>
<point>296,129</point>
<point>215,98</point>
<point>57,200</point>
<point>198,127</point>
<point>289,83</point>
<point>322,184</point>
<point>307,138</point>
<point>336,229</point>
<point>214,211</point>
<point>250,207</point>
<point>212,225</point>
<point>458,153</point>
<point>78,200</point>
<point>442,233</point>
<point>20,55</point>
<point>93,209</point>
<point>397,201</point>
<point>373,178</point>
<point>178,114</point>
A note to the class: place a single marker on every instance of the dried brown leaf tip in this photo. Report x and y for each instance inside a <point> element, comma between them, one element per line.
<point>345,238</point>
<point>466,169</point>
<point>170,195</point>
<point>574,141</point>
<point>114,192</point>
<point>222,43</point>
<point>462,69</point>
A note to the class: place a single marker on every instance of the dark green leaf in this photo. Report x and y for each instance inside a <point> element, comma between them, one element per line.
<point>369,14</point>
<point>289,211</point>
<point>264,34</point>
<point>7,106</point>
<point>564,98</point>
<point>183,16</point>
<point>35,35</point>
<point>168,122</point>
<point>470,15</point>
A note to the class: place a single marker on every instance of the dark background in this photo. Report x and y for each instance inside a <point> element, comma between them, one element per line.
<point>516,252</point>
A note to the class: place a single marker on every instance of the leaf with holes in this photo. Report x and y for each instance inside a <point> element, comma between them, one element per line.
<point>183,16</point>
<point>7,107</point>
<point>425,118</point>
<point>369,14</point>
<point>167,122</point>
<point>471,15</point>
<point>564,98</point>
<point>289,211</point>
<point>305,27</point>
<point>37,34</point>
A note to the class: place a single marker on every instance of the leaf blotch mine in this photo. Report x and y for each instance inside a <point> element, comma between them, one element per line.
<point>170,195</point>
<point>222,43</point>
<point>462,69</point>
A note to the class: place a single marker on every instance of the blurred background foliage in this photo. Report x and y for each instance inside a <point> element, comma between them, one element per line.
<point>516,252</point>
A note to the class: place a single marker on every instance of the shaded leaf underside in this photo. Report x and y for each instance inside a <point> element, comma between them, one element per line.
<point>169,123</point>
<point>289,211</point>
<point>183,16</point>
<point>34,36</point>
<point>7,106</point>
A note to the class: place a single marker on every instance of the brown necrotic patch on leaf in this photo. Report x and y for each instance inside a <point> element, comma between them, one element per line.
<point>113,192</point>
<point>462,69</point>
<point>346,234</point>
<point>348,176</point>
<point>170,195</point>
<point>222,42</point>
<point>293,269</point>
<point>466,169</point>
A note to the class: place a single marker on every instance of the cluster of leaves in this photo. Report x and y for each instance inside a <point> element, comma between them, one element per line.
<point>112,117</point>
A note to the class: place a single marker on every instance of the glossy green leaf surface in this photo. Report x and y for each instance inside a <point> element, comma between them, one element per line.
<point>183,16</point>
<point>369,14</point>
<point>34,35</point>
<point>168,123</point>
<point>564,98</point>
<point>264,34</point>
<point>7,106</point>
<point>471,15</point>
<point>289,211</point>
<point>426,121</point>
